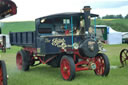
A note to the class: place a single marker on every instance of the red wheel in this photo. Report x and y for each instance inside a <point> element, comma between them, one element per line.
<point>123,57</point>
<point>22,60</point>
<point>102,65</point>
<point>67,67</point>
<point>3,73</point>
<point>19,61</point>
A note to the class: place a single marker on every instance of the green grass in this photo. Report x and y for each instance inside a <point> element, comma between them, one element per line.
<point>18,26</point>
<point>46,75</point>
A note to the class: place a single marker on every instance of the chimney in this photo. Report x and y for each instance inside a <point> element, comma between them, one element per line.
<point>87,17</point>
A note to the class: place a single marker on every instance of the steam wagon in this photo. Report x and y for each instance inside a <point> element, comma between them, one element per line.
<point>61,40</point>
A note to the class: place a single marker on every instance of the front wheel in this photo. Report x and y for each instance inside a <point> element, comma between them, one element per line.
<point>3,73</point>
<point>67,68</point>
<point>102,65</point>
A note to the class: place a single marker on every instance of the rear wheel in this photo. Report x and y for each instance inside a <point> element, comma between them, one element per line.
<point>3,73</point>
<point>123,57</point>
<point>102,65</point>
<point>67,68</point>
<point>23,60</point>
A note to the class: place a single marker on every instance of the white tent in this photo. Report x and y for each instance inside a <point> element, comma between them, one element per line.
<point>113,37</point>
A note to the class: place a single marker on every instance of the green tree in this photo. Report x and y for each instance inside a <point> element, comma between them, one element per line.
<point>126,17</point>
<point>113,17</point>
<point>109,17</point>
<point>119,16</point>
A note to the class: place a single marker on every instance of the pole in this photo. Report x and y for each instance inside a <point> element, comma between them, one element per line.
<point>95,27</point>
<point>72,30</point>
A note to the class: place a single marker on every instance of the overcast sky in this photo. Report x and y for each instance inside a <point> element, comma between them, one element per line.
<point>31,9</point>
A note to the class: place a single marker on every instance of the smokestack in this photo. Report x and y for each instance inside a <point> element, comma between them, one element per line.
<point>87,17</point>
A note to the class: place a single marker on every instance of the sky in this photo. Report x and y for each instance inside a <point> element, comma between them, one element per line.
<point>32,9</point>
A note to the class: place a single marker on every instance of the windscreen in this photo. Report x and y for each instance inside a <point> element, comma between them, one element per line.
<point>63,25</point>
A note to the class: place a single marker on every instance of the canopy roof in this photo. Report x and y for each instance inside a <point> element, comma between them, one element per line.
<point>68,14</point>
<point>7,8</point>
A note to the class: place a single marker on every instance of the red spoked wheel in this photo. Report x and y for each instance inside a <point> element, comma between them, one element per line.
<point>67,68</point>
<point>123,57</point>
<point>22,60</point>
<point>102,65</point>
<point>3,73</point>
<point>19,61</point>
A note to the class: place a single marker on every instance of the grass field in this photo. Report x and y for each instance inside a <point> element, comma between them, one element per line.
<point>18,26</point>
<point>117,24</point>
<point>46,75</point>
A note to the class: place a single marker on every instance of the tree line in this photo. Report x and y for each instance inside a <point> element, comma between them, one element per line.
<point>115,17</point>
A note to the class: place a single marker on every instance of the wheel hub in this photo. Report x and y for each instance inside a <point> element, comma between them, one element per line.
<point>65,68</point>
<point>93,66</point>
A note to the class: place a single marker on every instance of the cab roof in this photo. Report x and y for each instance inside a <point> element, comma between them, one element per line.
<point>67,14</point>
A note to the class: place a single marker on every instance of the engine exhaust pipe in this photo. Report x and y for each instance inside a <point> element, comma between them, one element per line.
<point>86,10</point>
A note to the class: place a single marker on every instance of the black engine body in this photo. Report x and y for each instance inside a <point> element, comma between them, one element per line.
<point>89,48</point>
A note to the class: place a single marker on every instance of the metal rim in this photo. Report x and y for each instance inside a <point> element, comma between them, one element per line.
<point>19,61</point>
<point>100,65</point>
<point>1,76</point>
<point>65,69</point>
<point>123,57</point>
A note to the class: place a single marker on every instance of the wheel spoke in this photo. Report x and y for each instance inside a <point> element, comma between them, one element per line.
<point>68,72</point>
<point>98,71</point>
<point>102,63</point>
<point>124,60</point>
<point>64,63</point>
<point>20,62</point>
<point>99,65</point>
<point>102,69</point>
<point>125,54</point>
